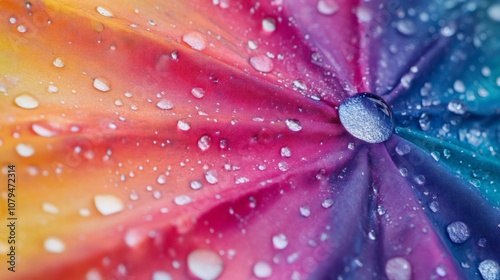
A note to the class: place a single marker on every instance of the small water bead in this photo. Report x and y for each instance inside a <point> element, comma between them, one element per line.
<point>457,107</point>
<point>102,84</point>
<point>494,12</point>
<point>403,149</point>
<point>182,125</point>
<point>398,269</point>
<point>162,179</point>
<point>489,269</point>
<point>293,125</point>
<point>26,101</point>
<point>165,104</point>
<point>104,12</point>
<point>367,117</point>
<point>204,142</point>
<point>58,62</point>
<point>54,245</point>
<point>198,92</point>
<point>205,264</point>
<point>327,7</point>
<point>459,86</point>
<point>406,27</point>
<point>269,25</point>
<point>25,150</point>
<point>195,185</point>
<point>262,269</point>
<point>161,275</point>
<point>305,211</point>
<point>50,208</point>
<point>195,40</point>
<point>108,204</point>
<point>182,200</point>
<point>280,241</point>
<point>211,177</point>
<point>327,203</point>
<point>286,152</point>
<point>261,63</point>
<point>458,232</point>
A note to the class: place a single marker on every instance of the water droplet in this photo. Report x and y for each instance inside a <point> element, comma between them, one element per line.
<point>21,28</point>
<point>164,104</point>
<point>58,62</point>
<point>198,92</point>
<point>108,204</point>
<point>327,203</point>
<point>457,107</point>
<point>195,185</point>
<point>459,86</point>
<point>424,121</point>
<point>398,269</point>
<point>327,7</point>
<point>161,275</point>
<point>44,130</point>
<point>162,179</point>
<point>204,142</point>
<point>269,25</point>
<point>494,12</point>
<point>182,200</point>
<point>182,125</point>
<point>50,208</point>
<point>367,117</point>
<point>286,152</point>
<point>195,40</point>
<point>283,166</point>
<point>434,206</point>
<point>458,232</point>
<point>205,264</point>
<point>54,245</point>
<point>293,125</point>
<point>104,12</point>
<point>489,269</point>
<point>262,63</point>
<point>211,177</point>
<point>102,84</point>
<point>280,241</point>
<point>403,149</point>
<point>26,101</point>
<point>305,211</point>
<point>262,269</point>
<point>406,27</point>
<point>25,150</point>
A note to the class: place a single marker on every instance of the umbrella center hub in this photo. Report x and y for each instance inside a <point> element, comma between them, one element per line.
<point>367,117</point>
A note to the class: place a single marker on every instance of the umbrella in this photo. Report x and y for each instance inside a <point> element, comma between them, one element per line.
<point>250,139</point>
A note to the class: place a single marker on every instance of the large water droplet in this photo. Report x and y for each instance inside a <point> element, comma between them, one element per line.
<point>494,12</point>
<point>25,150</point>
<point>458,232</point>
<point>327,7</point>
<point>54,245</point>
<point>398,269</point>
<point>108,204</point>
<point>262,269</point>
<point>489,269</point>
<point>262,63</point>
<point>102,84</point>
<point>195,40</point>
<point>367,117</point>
<point>280,241</point>
<point>205,264</point>
<point>26,101</point>
<point>406,27</point>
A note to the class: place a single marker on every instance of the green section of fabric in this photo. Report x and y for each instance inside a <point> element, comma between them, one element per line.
<point>481,171</point>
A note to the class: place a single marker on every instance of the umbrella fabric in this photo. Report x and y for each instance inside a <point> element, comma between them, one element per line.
<point>202,139</point>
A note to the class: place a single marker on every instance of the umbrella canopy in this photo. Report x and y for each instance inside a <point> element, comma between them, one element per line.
<point>327,139</point>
